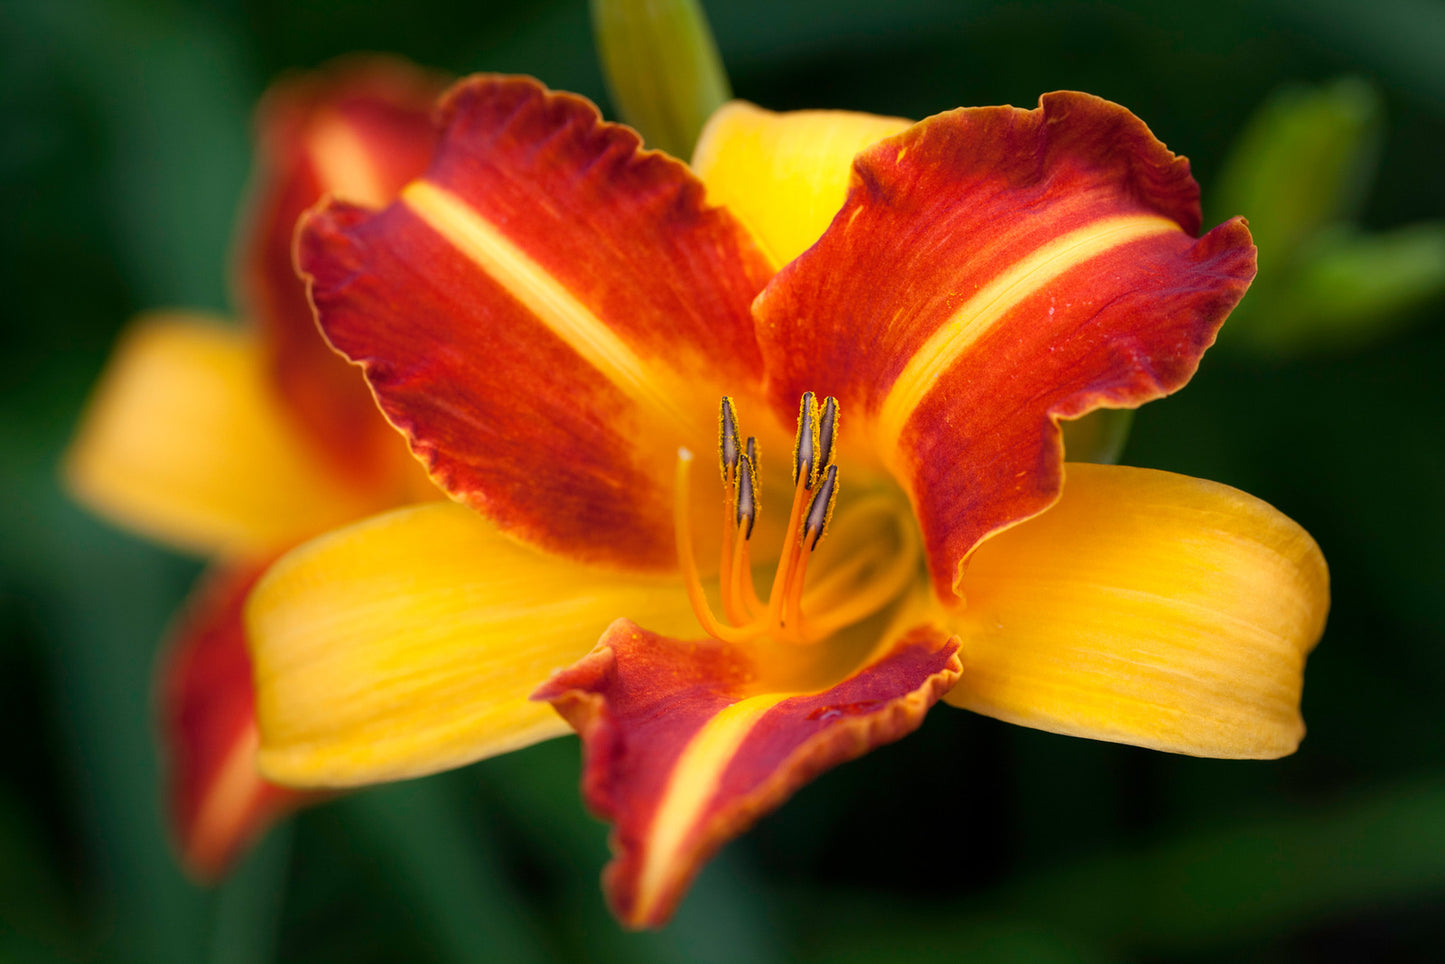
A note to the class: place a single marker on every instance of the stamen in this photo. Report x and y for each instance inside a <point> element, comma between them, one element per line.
<point>792,544</point>
<point>827,430</point>
<point>742,596</point>
<point>846,595</point>
<point>682,526</point>
<point>739,594</point>
<point>728,439</point>
<point>728,462</point>
<point>820,510</point>
<point>747,505</point>
<point>805,464</point>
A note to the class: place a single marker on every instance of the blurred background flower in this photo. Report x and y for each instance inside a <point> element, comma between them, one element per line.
<point>125,145</point>
<point>235,442</point>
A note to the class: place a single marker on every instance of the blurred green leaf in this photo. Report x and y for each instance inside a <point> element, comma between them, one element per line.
<point>723,918</point>
<point>538,788</point>
<point>442,864</point>
<point>754,31</point>
<point>1299,172</point>
<point>1399,39</point>
<point>1207,890</point>
<point>1304,161</point>
<point>983,942</point>
<point>1351,288</point>
<point>174,102</point>
<point>39,921</point>
<point>106,600</point>
<point>1227,885</point>
<point>662,68</point>
<point>249,902</point>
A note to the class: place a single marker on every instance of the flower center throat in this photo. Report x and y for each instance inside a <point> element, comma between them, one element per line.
<point>788,614</point>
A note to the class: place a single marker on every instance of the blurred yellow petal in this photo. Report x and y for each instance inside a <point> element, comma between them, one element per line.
<point>410,642</point>
<point>1146,608</point>
<point>785,175</point>
<point>185,441</point>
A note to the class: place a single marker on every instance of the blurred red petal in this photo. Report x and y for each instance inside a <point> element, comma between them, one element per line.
<point>357,130</point>
<point>219,803</point>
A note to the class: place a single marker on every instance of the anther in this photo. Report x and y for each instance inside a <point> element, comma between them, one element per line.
<point>728,437</point>
<point>827,431</point>
<point>820,510</point>
<point>805,448</point>
<point>747,509</point>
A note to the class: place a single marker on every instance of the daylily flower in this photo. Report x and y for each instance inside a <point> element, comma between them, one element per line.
<point>238,443</point>
<point>876,336</point>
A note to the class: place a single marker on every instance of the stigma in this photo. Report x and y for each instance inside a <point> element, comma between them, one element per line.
<point>746,614</point>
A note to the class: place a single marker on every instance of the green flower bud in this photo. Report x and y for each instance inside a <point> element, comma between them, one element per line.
<point>1299,172</point>
<point>662,68</point>
<point>1351,288</point>
<point>1304,162</point>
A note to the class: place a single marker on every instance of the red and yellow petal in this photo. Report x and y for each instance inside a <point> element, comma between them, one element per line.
<point>1146,608</point>
<point>185,441</point>
<point>547,315</point>
<point>686,746</point>
<point>993,271</point>
<point>219,802</point>
<point>358,131</point>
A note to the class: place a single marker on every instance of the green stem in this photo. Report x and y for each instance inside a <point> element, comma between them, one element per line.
<point>248,905</point>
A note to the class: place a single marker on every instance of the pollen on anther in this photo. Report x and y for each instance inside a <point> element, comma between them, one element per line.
<point>827,431</point>
<point>820,510</point>
<point>747,510</point>
<point>805,464</point>
<point>728,437</point>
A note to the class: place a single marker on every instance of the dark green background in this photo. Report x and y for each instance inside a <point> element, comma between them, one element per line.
<point>123,152</point>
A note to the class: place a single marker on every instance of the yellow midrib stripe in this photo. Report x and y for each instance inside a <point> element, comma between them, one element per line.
<point>990,303</point>
<point>541,294</point>
<point>692,785</point>
<point>231,795</point>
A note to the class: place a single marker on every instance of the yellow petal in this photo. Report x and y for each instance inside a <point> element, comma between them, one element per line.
<point>1146,608</point>
<point>185,441</point>
<point>784,174</point>
<point>410,643</point>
